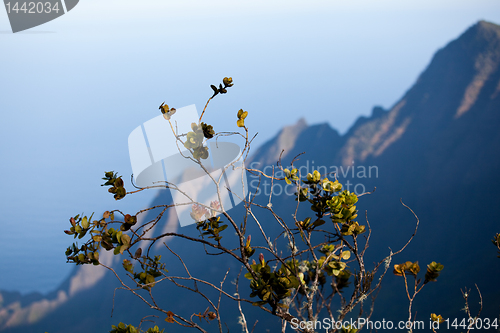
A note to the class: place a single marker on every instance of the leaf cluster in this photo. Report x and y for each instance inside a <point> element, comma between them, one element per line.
<point>271,287</point>
<point>195,139</point>
<point>326,200</point>
<point>433,270</point>
<point>123,328</point>
<point>87,253</point>
<point>150,270</point>
<point>212,227</point>
<point>412,268</point>
<point>333,266</point>
<point>241,117</point>
<point>408,267</point>
<point>227,82</point>
<point>166,111</point>
<point>116,183</point>
<point>101,236</point>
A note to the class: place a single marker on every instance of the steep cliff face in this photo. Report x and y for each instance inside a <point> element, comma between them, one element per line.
<point>462,78</point>
<point>437,148</point>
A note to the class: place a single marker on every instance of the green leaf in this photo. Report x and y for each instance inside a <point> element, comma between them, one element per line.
<point>85,223</point>
<point>318,222</point>
<point>123,248</point>
<point>150,279</point>
<point>294,282</point>
<point>127,264</point>
<point>316,176</point>
<point>345,255</point>
<point>119,236</point>
<point>125,239</point>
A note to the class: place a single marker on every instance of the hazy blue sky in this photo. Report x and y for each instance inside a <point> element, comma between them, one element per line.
<point>73,89</point>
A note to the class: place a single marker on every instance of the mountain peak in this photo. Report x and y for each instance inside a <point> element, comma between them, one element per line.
<point>298,126</point>
<point>284,140</point>
<point>485,27</point>
<point>289,134</point>
<point>481,37</point>
<point>463,77</point>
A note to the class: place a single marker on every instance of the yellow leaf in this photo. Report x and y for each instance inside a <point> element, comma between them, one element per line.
<point>346,255</point>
